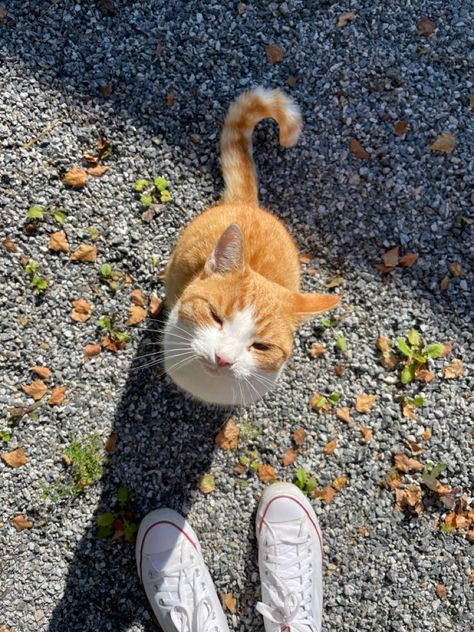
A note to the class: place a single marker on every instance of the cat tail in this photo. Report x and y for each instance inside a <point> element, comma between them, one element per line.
<point>238,167</point>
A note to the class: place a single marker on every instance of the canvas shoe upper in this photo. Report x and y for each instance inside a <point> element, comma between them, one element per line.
<point>175,577</point>
<point>290,561</point>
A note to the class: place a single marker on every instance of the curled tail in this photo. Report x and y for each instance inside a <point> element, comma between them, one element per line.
<point>236,139</point>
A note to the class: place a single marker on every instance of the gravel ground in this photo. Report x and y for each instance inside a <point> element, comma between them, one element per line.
<point>59,57</point>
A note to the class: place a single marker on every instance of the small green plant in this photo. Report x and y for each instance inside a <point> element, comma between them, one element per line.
<point>156,190</point>
<point>5,436</point>
<point>38,213</point>
<point>305,481</point>
<point>417,353</point>
<point>328,322</point>
<point>120,520</point>
<point>110,276</point>
<point>106,270</point>
<point>431,474</point>
<point>108,323</point>
<point>341,343</point>
<point>37,282</point>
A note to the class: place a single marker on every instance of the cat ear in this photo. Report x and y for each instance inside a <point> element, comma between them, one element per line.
<point>228,252</point>
<point>306,306</point>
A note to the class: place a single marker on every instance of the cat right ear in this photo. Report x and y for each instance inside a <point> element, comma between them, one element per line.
<point>228,252</point>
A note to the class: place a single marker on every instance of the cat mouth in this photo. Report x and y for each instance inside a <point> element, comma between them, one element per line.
<point>210,369</point>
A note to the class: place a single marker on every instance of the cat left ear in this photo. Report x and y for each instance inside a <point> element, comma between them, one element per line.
<point>228,252</point>
<point>306,306</point>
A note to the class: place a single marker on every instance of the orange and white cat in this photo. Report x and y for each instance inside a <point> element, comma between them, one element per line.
<point>233,280</point>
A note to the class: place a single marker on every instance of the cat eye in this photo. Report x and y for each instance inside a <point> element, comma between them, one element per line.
<point>260,346</point>
<point>216,318</point>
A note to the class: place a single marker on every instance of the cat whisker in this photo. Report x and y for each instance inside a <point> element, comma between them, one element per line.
<point>156,362</point>
<point>181,364</point>
<point>252,386</point>
<point>161,353</point>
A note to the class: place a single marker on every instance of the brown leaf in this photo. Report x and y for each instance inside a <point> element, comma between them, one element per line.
<point>426,434</point>
<point>326,494</point>
<point>357,150</point>
<point>366,433</point>
<point>91,159</point>
<point>364,402</point>
<point>400,128</point>
<point>228,437</point>
<point>340,482</point>
<point>136,315</point>
<point>344,18</point>
<point>97,171</point>
<point>85,252</point>
<point>455,268</point>
<point>75,178</point>
<point>159,48</point>
<point>274,53</point>
<point>445,281</point>
<point>317,350</point>
<point>344,414</point>
<point>9,245</point>
<point>290,456</point>
<point>207,484</point>
<point>423,375</point>
<point>138,297</point>
<point>299,436</point>
<point>42,371</point>
<point>155,306</point>
<point>57,396</point>
<point>453,369</point>
<point>152,210</point>
<point>20,523</point>
<point>170,97</point>
<point>339,370</point>
<point>408,259</point>
<point>305,257</point>
<point>320,404</point>
<point>414,447</point>
<point>239,468</point>
<point>330,446</point>
<point>441,591</point>
<point>266,473</point>
<point>230,602</point>
<point>112,344</point>
<point>383,269</point>
<point>15,458</point>
<point>3,12</point>
<point>391,257</point>
<point>409,497</point>
<point>58,242</point>
<point>445,143</point>
<point>36,389</point>
<point>111,443</point>
<point>447,348</point>
<point>292,81</point>
<point>408,411</point>
<point>334,281</point>
<point>90,351</point>
<point>81,310</point>
<point>425,26</point>
<point>106,90</point>
<point>393,479</point>
<point>406,465</point>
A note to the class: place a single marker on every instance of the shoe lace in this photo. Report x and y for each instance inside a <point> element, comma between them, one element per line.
<point>191,609</point>
<point>288,580</point>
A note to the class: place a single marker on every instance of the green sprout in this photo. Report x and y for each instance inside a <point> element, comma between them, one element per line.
<point>417,354</point>
<point>153,191</point>
<point>305,481</point>
<point>37,282</point>
<point>118,521</point>
<point>38,213</point>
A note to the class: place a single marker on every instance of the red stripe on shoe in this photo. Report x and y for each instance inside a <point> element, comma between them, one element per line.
<point>318,532</point>
<point>151,527</point>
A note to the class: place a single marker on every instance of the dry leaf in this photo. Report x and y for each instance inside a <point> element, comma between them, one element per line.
<point>445,281</point>
<point>414,447</point>
<point>357,150</point>
<point>320,404</point>
<point>326,494</point>
<point>391,257</point>
<point>305,257</point>
<point>366,433</point>
<point>230,602</point>
<point>106,90</point>
<point>112,344</point>
<point>152,210</point>
<point>364,402</point>
<point>155,306</point>
<point>344,18</point>
<point>334,281</point>
<point>425,26</point>
<point>404,464</point>
<point>317,349</point>
<point>266,473</point>
<point>299,436</point>
<point>91,159</point>
<point>400,128</point>
<point>75,178</point>
<point>330,446</point>
<point>97,171</point>
<point>90,351</point>
<point>9,245</point>
<point>3,12</point>
<point>441,591</point>
<point>409,498</point>
<point>85,252</point>
<point>36,389</point>
<point>57,396</point>
<point>426,434</point>
<point>138,297</point>
<point>447,348</point>
<point>456,269</point>
<point>408,259</point>
<point>453,369</point>
<point>393,479</point>
<point>58,242</point>
<point>292,81</point>
<point>111,443</point>
<point>20,523</point>
<point>170,97</point>
<point>42,371</point>
<point>15,458</point>
<point>344,414</point>
<point>290,456</point>
<point>274,53</point>
<point>159,48</point>
<point>239,468</point>
<point>340,482</point>
<point>228,437</point>
<point>444,143</point>
<point>81,310</point>
<point>408,411</point>
<point>207,483</point>
<point>423,375</point>
<point>136,315</point>
<point>339,370</point>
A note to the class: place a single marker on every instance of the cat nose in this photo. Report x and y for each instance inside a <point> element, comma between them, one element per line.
<point>221,361</point>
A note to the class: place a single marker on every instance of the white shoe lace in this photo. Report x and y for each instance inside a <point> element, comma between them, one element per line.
<point>288,581</point>
<point>191,609</point>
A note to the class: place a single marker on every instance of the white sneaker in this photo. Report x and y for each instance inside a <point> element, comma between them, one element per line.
<point>174,575</point>
<point>290,561</point>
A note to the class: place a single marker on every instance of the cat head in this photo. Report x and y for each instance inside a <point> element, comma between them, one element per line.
<point>230,333</point>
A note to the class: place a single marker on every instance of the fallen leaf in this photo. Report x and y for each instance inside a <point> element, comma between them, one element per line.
<point>170,97</point>
<point>85,252</point>
<point>445,281</point>
<point>15,458</point>
<point>151,211</point>
<point>383,269</point>
<point>456,269</point>
<point>344,414</point>
<point>292,81</point>
<point>408,411</point>
<point>20,523</point>
<point>405,464</point>
<point>155,306</point>
<point>81,310</point>
<point>90,351</point>
<point>111,443</point>
<point>3,13</point>
<point>400,128</point>
<point>91,159</point>
<point>444,143</point>
<point>136,315</point>
<point>106,90</point>
<point>58,242</point>
<point>364,402</point>
<point>447,348</point>
<point>112,344</point>
<point>97,171</point>
<point>408,259</point>
<point>357,150</point>
<point>425,26</point>
<point>393,479</point>
<point>334,281</point>
<point>290,456</point>
<point>453,369</point>
<point>9,245</point>
<point>138,297</point>
<point>366,433</point>
<point>340,482</point>
<point>423,375</point>
<point>409,497</point>
<point>414,447</point>
<point>326,494</point>
<point>228,437</point>
<point>274,53</point>
<point>230,602</point>
<point>299,436</point>
<point>441,591</point>
<point>330,446</point>
<point>207,483</point>
<point>426,434</point>
<point>239,468</point>
<point>42,371</point>
<point>317,350</point>
<point>23,320</point>
<point>266,473</point>
<point>305,257</point>
<point>391,257</point>
<point>159,48</point>
<point>344,19</point>
<point>36,389</point>
<point>339,370</point>
<point>320,404</point>
<point>57,395</point>
<point>75,178</point>
<point>471,578</point>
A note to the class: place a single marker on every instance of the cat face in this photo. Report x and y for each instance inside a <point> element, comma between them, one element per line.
<point>230,333</point>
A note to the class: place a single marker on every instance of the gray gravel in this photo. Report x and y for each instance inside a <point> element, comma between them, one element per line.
<point>381,567</point>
